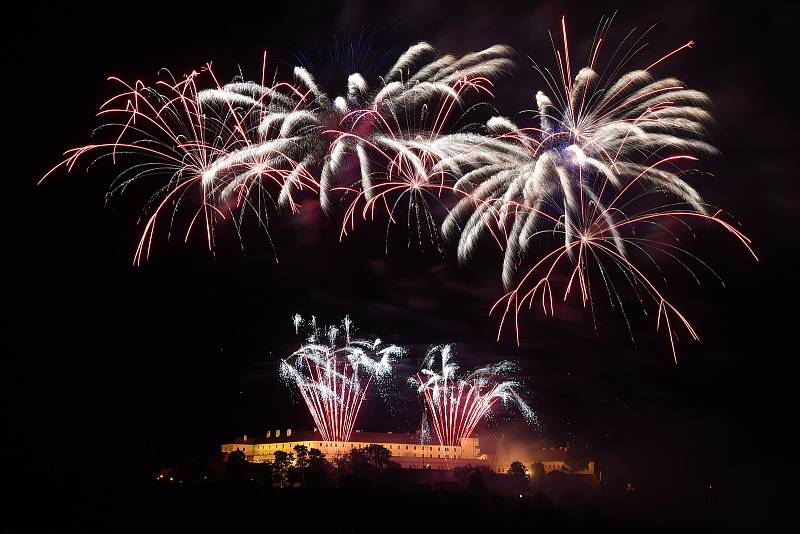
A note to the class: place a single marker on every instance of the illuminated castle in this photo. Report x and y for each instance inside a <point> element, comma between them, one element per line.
<point>406,450</point>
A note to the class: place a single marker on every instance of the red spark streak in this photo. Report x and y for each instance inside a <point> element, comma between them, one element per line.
<point>333,393</point>
<point>456,409</point>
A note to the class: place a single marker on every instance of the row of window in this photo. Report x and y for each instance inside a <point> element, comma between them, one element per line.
<point>323,444</point>
<point>422,447</point>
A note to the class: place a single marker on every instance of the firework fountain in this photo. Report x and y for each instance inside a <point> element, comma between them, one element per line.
<point>332,379</point>
<point>457,405</point>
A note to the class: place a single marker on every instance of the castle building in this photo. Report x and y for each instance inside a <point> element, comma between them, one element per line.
<point>406,450</point>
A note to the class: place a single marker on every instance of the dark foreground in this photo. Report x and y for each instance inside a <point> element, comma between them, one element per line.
<point>359,506</point>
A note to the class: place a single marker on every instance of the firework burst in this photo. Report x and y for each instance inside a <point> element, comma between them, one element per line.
<point>593,173</point>
<point>198,148</point>
<point>393,136</point>
<point>457,405</point>
<point>371,133</point>
<point>246,146</point>
<point>334,379</point>
<point>591,190</point>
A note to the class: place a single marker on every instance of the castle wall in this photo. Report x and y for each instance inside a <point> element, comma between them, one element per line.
<point>406,452</point>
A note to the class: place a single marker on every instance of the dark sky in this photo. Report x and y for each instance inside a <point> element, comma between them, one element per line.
<point>162,362</point>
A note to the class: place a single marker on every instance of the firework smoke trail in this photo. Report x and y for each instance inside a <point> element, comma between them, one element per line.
<point>592,173</point>
<point>456,405</point>
<point>189,139</point>
<point>333,380</point>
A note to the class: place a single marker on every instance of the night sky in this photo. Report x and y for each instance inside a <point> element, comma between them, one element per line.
<point>159,364</point>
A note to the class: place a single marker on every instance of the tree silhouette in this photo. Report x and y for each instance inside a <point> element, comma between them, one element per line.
<point>461,474</point>
<point>309,469</point>
<point>237,465</point>
<point>299,469</point>
<point>319,469</point>
<point>517,471</point>
<point>380,457</point>
<point>476,482</point>
<point>280,468</point>
<point>518,475</point>
<point>537,473</point>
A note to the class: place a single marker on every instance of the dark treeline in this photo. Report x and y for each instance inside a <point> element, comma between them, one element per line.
<point>303,468</point>
<point>362,491</point>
